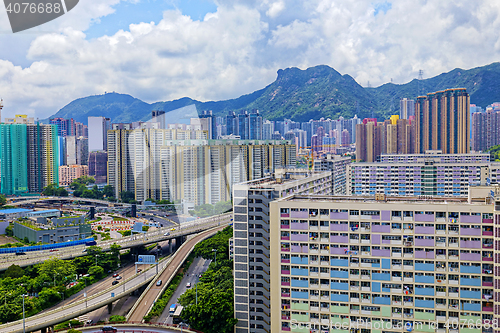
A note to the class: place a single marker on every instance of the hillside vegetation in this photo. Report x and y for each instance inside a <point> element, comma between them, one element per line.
<point>301,95</point>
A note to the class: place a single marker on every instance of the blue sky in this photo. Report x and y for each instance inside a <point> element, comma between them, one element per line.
<point>129,12</point>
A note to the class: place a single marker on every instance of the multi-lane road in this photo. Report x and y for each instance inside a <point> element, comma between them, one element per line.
<point>198,267</point>
<point>150,295</point>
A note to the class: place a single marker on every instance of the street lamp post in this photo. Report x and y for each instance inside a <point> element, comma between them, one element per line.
<point>96,259</point>
<point>24,319</point>
<point>215,250</point>
<point>85,292</point>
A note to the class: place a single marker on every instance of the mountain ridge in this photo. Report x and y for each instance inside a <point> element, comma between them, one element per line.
<point>300,95</point>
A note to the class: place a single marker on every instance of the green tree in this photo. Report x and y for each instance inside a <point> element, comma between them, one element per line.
<point>97,193</point>
<point>13,271</point>
<point>85,180</point>
<point>77,189</point>
<point>117,319</point>
<point>48,296</point>
<point>56,270</point>
<point>127,196</point>
<point>214,311</point>
<point>49,190</point>
<point>61,192</point>
<point>96,271</point>
<point>88,194</point>
<point>9,231</point>
<point>3,200</point>
<point>108,191</point>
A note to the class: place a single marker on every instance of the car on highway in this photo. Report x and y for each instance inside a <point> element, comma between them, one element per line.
<point>158,283</point>
<point>118,277</point>
<point>166,234</point>
<point>201,275</point>
<point>173,229</point>
<point>115,275</point>
<point>188,285</point>
<point>109,329</point>
<point>20,254</point>
<point>114,282</point>
<point>139,270</point>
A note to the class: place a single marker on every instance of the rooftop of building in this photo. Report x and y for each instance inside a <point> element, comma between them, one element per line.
<point>286,177</point>
<point>45,211</point>
<point>478,195</point>
<point>14,210</point>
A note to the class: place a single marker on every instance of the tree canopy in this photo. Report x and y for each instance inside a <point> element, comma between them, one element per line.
<point>214,312</point>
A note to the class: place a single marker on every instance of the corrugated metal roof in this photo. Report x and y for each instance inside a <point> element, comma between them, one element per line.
<point>14,210</point>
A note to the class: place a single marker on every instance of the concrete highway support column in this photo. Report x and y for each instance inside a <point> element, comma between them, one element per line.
<point>178,241</point>
<point>44,330</point>
<point>110,308</point>
<point>170,246</point>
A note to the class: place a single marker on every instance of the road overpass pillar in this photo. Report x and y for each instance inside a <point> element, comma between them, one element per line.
<point>44,330</point>
<point>178,241</point>
<point>170,245</point>
<point>110,308</point>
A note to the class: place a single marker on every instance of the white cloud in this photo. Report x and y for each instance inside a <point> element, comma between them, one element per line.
<point>275,8</point>
<point>239,48</point>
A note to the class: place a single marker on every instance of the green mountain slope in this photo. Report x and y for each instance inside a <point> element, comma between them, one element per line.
<point>301,95</point>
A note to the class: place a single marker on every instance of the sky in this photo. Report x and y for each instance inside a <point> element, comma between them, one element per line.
<point>160,50</point>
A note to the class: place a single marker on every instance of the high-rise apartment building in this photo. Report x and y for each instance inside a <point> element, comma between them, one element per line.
<point>209,124</point>
<point>20,119</point>
<point>76,150</point>
<point>337,165</point>
<point>254,126</point>
<point>168,164</point>
<point>267,129</point>
<point>349,264</point>
<point>252,248</point>
<point>43,156</point>
<point>98,166</point>
<point>435,174</point>
<point>243,125</point>
<point>69,127</point>
<point>231,123</point>
<point>443,122</point>
<point>406,108</point>
<point>158,116</point>
<point>68,173</point>
<point>65,127</point>
<point>391,136</point>
<point>13,159</point>
<point>485,129</point>
<point>98,127</point>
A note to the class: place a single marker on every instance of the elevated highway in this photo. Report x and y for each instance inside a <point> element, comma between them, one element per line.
<point>185,229</point>
<point>35,199</point>
<point>78,308</point>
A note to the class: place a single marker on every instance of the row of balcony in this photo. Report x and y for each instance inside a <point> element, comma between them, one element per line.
<point>394,228</point>
<point>397,252</point>
<point>386,215</point>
